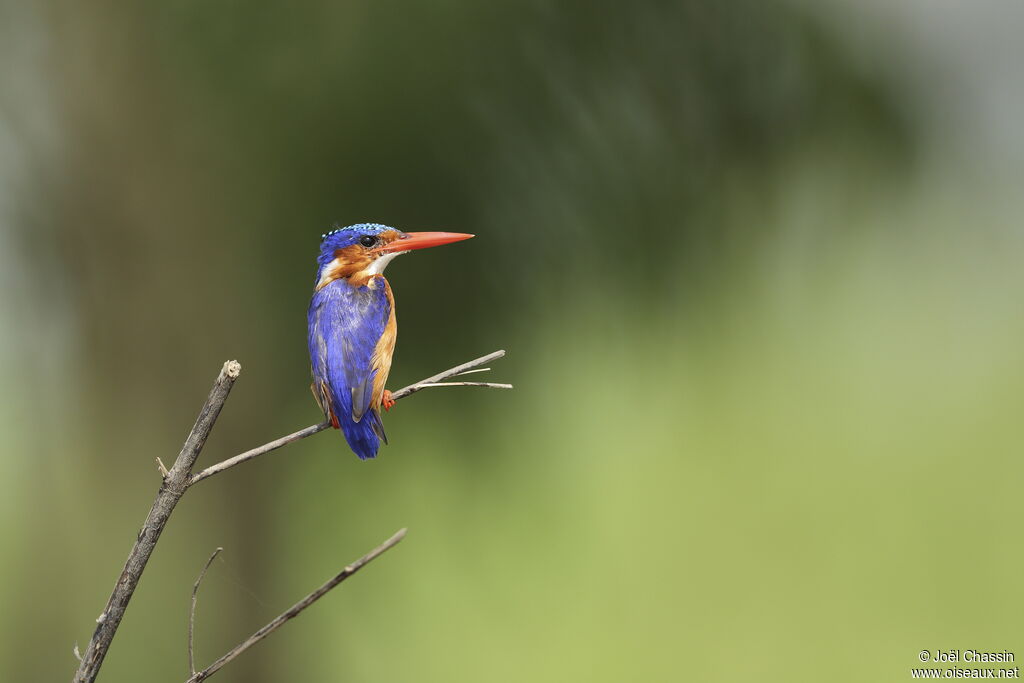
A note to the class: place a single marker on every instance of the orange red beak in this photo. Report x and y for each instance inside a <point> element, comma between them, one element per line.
<point>422,240</point>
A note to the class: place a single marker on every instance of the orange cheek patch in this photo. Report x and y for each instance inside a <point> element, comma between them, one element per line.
<point>351,260</point>
<point>347,262</point>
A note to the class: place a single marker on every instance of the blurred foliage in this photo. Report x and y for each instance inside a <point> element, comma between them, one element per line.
<point>762,375</point>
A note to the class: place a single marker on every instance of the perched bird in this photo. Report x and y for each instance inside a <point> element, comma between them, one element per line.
<point>352,326</point>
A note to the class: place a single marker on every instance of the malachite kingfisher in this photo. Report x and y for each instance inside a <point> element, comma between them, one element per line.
<point>352,328</point>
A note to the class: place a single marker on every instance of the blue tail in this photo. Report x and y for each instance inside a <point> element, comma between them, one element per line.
<point>363,437</point>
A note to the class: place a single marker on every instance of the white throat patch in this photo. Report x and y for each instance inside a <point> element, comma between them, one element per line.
<point>378,266</point>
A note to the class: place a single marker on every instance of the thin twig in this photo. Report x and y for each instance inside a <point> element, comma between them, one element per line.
<point>172,488</point>
<point>470,372</point>
<point>192,611</point>
<point>258,451</point>
<point>447,374</point>
<point>297,608</point>
<point>313,429</point>
<point>491,385</point>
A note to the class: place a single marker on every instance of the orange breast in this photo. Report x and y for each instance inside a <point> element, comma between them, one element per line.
<point>385,349</point>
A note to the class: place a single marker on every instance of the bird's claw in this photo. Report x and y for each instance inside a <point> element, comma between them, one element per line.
<point>386,401</point>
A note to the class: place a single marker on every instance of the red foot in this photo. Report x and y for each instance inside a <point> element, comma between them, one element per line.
<point>387,401</point>
<point>334,421</point>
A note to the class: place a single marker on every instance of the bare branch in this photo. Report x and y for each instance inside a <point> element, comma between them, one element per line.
<point>313,429</point>
<point>179,477</point>
<point>192,611</point>
<point>258,451</point>
<point>172,488</point>
<point>297,608</point>
<point>491,385</point>
<point>447,374</point>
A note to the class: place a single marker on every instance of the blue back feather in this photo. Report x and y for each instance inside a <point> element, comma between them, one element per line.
<point>345,324</point>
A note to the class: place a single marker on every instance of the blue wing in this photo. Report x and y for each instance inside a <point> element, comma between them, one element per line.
<point>345,324</point>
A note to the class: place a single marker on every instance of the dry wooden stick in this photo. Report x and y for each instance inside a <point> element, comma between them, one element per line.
<point>192,611</point>
<point>172,488</point>
<point>313,429</point>
<point>295,609</point>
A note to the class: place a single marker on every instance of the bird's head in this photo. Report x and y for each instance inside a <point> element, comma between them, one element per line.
<point>360,252</point>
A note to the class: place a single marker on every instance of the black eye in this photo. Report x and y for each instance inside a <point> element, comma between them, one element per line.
<point>368,241</point>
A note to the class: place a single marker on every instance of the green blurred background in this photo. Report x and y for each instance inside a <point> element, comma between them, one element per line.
<point>756,264</point>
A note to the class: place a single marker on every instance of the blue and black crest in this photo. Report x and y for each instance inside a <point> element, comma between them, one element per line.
<point>358,227</point>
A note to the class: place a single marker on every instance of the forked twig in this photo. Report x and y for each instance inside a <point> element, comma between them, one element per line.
<point>295,609</point>
<point>176,480</point>
<point>447,374</point>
